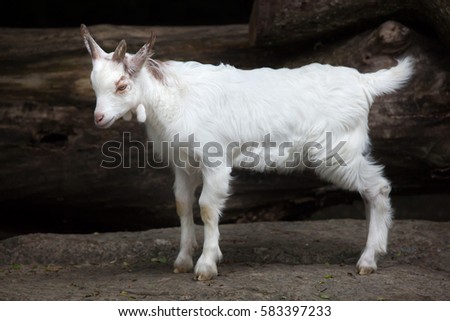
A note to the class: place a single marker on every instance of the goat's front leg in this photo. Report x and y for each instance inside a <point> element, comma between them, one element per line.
<point>212,200</point>
<point>184,188</point>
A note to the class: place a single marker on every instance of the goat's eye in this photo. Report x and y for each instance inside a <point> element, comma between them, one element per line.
<point>122,88</point>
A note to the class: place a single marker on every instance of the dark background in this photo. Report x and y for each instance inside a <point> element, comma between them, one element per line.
<point>54,13</point>
<point>60,214</point>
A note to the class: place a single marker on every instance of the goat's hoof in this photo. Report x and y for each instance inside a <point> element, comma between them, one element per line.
<point>205,271</point>
<point>183,265</point>
<point>205,276</point>
<point>367,264</point>
<point>180,269</point>
<point>365,270</point>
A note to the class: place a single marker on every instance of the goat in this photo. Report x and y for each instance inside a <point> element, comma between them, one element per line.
<point>223,104</point>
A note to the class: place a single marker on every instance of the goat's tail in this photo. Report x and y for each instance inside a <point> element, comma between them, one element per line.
<point>387,81</point>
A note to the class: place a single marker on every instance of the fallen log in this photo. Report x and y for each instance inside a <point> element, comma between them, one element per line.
<point>279,22</point>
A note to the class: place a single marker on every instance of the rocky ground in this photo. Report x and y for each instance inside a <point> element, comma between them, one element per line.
<point>309,260</point>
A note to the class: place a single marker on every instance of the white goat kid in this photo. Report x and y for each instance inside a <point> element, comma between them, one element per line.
<point>226,105</point>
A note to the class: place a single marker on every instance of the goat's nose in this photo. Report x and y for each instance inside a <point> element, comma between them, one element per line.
<point>98,117</point>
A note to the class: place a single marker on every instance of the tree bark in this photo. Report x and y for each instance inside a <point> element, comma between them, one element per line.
<point>51,151</point>
<point>279,22</point>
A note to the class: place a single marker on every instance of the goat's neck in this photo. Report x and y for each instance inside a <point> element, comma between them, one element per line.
<point>160,98</point>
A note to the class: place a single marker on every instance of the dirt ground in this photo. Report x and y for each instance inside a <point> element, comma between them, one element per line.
<point>310,260</point>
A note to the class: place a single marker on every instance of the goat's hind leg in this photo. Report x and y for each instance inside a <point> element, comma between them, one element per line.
<point>184,188</point>
<point>378,206</point>
<point>367,178</point>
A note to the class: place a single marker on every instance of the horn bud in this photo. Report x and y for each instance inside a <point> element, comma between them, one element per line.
<point>121,50</point>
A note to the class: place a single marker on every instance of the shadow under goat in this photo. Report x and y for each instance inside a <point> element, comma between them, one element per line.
<point>263,119</point>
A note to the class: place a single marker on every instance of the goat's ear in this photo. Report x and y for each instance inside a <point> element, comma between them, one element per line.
<point>120,51</point>
<point>138,60</point>
<point>94,49</point>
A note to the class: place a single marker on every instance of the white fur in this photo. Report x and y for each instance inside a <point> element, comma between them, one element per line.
<point>224,104</point>
<point>128,116</point>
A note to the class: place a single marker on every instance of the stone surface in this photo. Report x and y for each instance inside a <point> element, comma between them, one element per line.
<point>309,260</point>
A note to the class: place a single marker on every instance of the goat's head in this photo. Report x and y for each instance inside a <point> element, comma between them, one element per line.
<point>113,78</point>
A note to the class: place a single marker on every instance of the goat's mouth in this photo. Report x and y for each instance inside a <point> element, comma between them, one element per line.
<point>107,124</point>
